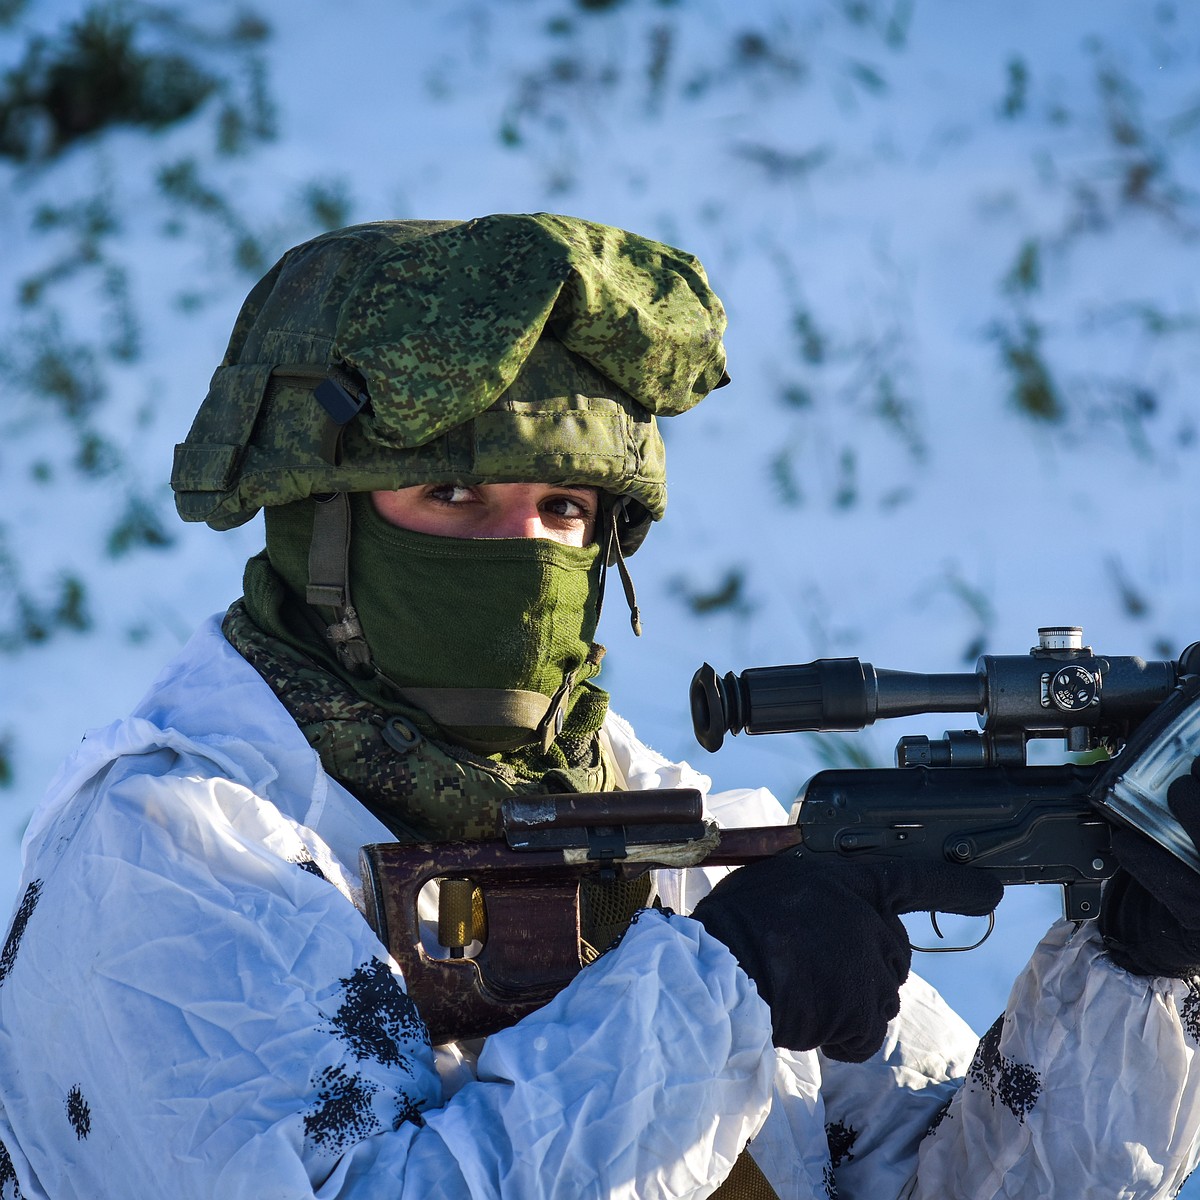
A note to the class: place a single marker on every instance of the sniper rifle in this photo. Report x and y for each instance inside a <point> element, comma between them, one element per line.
<point>509,910</point>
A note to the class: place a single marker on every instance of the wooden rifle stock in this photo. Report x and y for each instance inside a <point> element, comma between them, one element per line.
<point>529,881</point>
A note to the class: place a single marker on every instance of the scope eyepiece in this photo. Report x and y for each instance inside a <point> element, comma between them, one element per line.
<point>709,698</point>
<point>828,694</point>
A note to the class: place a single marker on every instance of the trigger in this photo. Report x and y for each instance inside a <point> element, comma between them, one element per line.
<point>955,949</point>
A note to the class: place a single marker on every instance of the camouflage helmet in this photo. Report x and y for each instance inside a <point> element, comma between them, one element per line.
<point>509,348</point>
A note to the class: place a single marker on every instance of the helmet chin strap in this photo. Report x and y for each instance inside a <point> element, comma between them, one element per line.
<point>329,582</point>
<point>611,553</point>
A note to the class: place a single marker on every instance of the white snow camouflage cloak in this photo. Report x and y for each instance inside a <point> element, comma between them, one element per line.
<point>192,1006</point>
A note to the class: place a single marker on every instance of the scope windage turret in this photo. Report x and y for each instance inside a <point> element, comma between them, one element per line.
<point>1060,689</point>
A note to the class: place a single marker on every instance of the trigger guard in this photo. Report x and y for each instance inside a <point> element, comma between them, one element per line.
<point>954,949</point>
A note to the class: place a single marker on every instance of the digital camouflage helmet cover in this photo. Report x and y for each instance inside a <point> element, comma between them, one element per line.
<point>509,348</point>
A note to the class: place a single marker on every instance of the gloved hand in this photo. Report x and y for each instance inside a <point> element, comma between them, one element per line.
<point>1150,915</point>
<point>824,944</point>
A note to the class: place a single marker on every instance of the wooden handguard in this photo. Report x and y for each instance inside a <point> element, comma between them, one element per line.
<point>530,883</point>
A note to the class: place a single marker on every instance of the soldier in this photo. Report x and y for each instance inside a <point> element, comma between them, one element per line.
<point>452,428</point>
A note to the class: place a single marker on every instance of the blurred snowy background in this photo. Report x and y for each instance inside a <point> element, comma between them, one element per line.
<point>957,241</point>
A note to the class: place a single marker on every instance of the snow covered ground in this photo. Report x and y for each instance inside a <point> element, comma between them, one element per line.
<point>958,245</point>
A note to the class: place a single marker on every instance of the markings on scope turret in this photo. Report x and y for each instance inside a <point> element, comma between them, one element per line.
<point>16,930</point>
<point>79,1113</point>
<point>1016,1085</point>
<point>376,1019</point>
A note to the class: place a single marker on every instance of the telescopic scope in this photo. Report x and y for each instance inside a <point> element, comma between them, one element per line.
<point>1060,689</point>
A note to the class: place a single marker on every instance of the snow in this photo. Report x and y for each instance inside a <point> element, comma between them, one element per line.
<point>822,166</point>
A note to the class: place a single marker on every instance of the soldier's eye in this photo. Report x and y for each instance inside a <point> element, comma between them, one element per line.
<point>568,507</point>
<point>450,493</point>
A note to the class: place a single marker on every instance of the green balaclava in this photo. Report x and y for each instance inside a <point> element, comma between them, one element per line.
<point>491,637</point>
<point>511,348</point>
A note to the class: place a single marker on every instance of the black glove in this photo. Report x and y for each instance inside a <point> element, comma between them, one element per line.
<point>1150,916</point>
<point>824,945</point>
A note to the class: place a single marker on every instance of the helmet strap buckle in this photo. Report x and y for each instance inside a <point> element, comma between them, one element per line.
<point>329,581</point>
